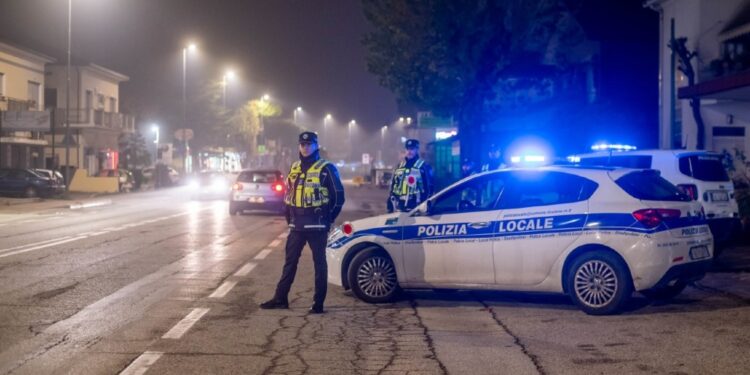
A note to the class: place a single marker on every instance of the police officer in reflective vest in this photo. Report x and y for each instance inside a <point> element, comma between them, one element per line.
<point>494,161</point>
<point>313,200</point>
<point>412,180</point>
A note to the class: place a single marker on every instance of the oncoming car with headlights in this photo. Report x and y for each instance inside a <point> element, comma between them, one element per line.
<point>209,184</point>
<point>595,234</point>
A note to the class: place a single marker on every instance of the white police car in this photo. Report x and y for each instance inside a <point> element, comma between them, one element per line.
<point>594,233</point>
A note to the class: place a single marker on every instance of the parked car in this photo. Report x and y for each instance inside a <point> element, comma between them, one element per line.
<point>595,234</point>
<point>699,174</point>
<point>209,184</point>
<point>257,190</point>
<point>55,176</point>
<point>27,183</point>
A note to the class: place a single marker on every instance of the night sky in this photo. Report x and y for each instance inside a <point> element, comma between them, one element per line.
<point>303,53</point>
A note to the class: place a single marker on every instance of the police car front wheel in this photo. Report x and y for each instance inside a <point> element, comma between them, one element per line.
<point>599,283</point>
<point>372,276</point>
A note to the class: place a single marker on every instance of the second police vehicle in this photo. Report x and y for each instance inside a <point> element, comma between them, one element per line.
<point>594,233</point>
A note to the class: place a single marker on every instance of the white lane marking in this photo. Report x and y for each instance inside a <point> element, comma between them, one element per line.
<point>59,241</point>
<point>222,291</point>
<point>245,270</point>
<point>184,325</point>
<point>78,206</point>
<point>142,363</point>
<point>263,254</point>
<point>3,255</point>
<point>33,244</point>
<point>283,235</point>
<point>274,243</point>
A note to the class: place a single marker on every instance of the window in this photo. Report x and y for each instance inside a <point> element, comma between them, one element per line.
<point>530,189</point>
<point>112,105</point>
<point>259,177</point>
<point>2,84</point>
<point>99,101</point>
<point>34,92</point>
<point>649,186</point>
<point>477,194</point>
<point>704,167</point>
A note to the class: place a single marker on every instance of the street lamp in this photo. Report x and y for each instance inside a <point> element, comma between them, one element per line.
<point>228,76</point>
<point>190,48</point>
<point>383,130</point>
<point>296,110</point>
<point>155,129</point>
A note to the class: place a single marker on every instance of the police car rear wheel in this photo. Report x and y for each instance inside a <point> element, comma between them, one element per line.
<point>372,276</point>
<point>599,283</point>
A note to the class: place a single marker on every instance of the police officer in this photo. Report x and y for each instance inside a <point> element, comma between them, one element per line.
<point>467,168</point>
<point>412,180</point>
<point>313,200</point>
<point>494,161</point>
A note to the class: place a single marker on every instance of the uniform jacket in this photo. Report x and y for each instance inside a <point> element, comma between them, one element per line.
<point>298,218</point>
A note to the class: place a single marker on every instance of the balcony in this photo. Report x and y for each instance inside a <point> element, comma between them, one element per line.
<point>94,118</point>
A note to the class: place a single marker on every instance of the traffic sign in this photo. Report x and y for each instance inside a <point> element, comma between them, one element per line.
<point>365,158</point>
<point>183,134</point>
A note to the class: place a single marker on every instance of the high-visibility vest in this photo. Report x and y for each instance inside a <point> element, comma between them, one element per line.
<point>408,181</point>
<point>308,193</point>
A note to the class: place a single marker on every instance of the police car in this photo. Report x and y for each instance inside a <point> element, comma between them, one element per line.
<point>594,233</point>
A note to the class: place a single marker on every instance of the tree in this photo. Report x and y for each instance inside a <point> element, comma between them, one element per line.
<point>134,152</point>
<point>245,123</point>
<point>686,67</point>
<point>464,59</point>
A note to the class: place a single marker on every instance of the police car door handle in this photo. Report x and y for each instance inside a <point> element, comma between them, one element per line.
<point>390,231</point>
<point>479,225</point>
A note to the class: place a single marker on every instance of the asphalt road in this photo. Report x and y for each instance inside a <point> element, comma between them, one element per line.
<point>159,284</point>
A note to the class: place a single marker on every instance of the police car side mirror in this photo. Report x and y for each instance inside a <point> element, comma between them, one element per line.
<point>423,209</point>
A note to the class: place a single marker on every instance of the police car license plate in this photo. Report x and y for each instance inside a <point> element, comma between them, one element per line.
<point>256,200</point>
<point>699,252</point>
<point>719,196</point>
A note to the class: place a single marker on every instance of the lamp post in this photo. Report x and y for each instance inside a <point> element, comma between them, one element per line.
<point>67,100</point>
<point>325,124</point>
<point>296,110</point>
<point>383,130</point>
<point>190,48</point>
<point>155,129</point>
<point>228,76</point>
<point>351,145</point>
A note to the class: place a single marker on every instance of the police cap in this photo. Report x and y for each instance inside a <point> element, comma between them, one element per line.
<point>411,143</point>
<point>308,137</point>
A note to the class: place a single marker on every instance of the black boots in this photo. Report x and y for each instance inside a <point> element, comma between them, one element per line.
<point>274,304</point>
<point>316,309</point>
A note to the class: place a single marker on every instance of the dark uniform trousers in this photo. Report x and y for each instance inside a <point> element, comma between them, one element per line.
<point>295,242</point>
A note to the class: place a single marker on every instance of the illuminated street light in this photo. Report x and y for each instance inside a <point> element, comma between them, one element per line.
<point>155,129</point>
<point>265,97</point>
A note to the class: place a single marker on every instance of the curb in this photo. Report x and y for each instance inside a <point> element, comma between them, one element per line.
<point>80,205</point>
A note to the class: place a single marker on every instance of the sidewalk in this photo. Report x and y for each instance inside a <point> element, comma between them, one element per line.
<point>70,200</point>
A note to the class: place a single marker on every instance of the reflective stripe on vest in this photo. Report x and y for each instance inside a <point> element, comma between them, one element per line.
<point>309,193</point>
<point>401,186</point>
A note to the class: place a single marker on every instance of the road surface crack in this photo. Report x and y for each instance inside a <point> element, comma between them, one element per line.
<point>516,340</point>
<point>428,338</point>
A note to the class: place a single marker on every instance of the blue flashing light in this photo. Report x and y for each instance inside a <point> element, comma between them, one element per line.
<point>574,159</point>
<point>528,159</point>
<point>612,147</point>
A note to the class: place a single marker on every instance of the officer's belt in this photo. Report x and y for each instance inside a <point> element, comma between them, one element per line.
<point>302,211</point>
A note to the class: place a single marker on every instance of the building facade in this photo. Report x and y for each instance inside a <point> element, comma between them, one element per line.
<point>719,33</point>
<point>23,121</point>
<point>95,119</point>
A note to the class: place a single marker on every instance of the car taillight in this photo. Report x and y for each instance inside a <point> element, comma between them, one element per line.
<point>689,190</point>
<point>347,228</point>
<point>652,217</point>
<point>278,188</point>
<point>237,186</point>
